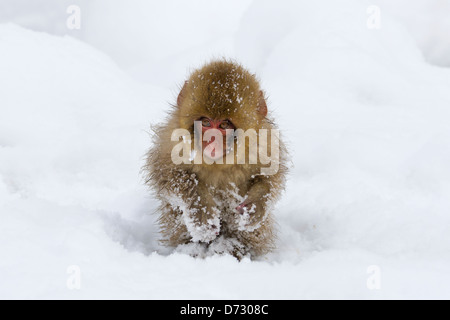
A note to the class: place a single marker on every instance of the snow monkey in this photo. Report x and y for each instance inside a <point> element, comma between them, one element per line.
<point>216,194</point>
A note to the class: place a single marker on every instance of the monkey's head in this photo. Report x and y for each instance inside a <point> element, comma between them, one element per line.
<point>222,95</point>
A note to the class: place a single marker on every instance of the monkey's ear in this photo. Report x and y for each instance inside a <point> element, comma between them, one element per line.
<point>182,94</point>
<point>262,105</point>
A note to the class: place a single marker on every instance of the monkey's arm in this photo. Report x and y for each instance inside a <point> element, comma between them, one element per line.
<point>182,190</point>
<point>263,191</point>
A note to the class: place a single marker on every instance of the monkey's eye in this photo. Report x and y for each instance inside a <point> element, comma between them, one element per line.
<point>206,122</point>
<point>226,125</point>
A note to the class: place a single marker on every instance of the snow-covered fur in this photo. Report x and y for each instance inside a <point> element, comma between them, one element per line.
<point>198,201</point>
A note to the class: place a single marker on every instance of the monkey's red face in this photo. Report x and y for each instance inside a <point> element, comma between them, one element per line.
<point>216,148</point>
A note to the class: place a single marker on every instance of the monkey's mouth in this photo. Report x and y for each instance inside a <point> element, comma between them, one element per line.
<point>216,150</point>
<point>213,150</point>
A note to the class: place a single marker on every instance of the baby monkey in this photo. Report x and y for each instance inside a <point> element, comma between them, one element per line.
<point>216,190</point>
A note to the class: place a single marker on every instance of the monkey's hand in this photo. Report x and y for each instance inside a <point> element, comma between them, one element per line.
<point>251,214</point>
<point>194,203</point>
<point>243,207</point>
<point>202,223</point>
<point>200,215</point>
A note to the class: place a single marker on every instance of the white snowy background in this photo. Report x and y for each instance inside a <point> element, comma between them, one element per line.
<point>366,113</point>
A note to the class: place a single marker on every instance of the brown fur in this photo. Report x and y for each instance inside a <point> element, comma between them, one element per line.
<point>219,90</point>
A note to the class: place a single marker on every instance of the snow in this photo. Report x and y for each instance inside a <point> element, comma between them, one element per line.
<point>364,112</point>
